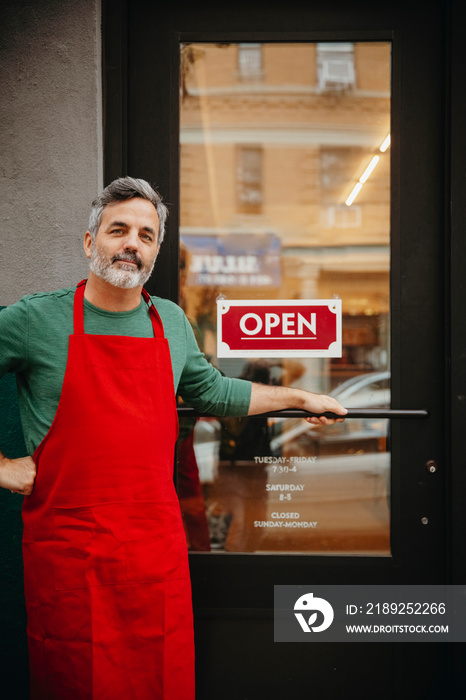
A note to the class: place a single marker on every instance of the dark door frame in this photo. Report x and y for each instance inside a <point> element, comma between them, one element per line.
<point>456,291</point>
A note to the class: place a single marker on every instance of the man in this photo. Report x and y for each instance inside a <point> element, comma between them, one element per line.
<point>105,561</point>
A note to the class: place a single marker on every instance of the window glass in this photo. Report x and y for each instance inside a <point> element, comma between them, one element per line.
<point>285,194</point>
<point>250,61</point>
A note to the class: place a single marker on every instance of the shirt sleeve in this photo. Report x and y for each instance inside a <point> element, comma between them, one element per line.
<point>14,338</point>
<point>204,388</point>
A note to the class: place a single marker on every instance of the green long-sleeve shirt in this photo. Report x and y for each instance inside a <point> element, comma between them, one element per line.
<point>34,336</point>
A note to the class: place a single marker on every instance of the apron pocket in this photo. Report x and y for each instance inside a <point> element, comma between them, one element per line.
<point>122,542</point>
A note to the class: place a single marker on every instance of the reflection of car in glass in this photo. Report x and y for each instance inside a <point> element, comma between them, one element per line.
<point>370,390</point>
<point>207,448</point>
<point>354,436</point>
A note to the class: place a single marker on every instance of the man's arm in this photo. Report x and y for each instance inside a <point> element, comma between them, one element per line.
<point>18,475</point>
<point>266,398</point>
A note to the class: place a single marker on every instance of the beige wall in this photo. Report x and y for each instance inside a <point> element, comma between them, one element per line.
<point>51,144</point>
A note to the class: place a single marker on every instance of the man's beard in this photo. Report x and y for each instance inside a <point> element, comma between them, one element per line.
<point>123,276</point>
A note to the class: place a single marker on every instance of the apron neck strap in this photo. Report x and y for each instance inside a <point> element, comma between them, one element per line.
<point>78,311</point>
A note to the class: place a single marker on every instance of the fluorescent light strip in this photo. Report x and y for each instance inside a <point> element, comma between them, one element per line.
<point>354,194</point>
<point>370,168</point>
<point>385,144</point>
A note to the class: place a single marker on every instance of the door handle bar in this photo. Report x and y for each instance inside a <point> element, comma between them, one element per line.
<point>393,413</point>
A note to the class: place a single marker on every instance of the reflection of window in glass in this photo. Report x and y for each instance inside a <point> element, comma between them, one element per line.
<point>249,179</point>
<point>335,67</point>
<point>250,61</point>
<point>337,168</point>
<point>343,216</point>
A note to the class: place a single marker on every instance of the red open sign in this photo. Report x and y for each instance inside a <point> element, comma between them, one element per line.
<point>250,328</point>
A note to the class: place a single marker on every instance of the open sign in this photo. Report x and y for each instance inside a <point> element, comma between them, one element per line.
<point>277,328</point>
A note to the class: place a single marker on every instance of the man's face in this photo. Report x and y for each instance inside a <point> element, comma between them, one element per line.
<point>126,245</point>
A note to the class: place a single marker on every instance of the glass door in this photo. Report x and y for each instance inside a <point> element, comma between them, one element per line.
<point>285,194</point>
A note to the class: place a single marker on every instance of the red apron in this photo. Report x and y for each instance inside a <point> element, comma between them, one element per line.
<point>106,573</point>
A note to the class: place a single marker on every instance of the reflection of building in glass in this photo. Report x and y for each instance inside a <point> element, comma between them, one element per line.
<point>285,194</point>
<point>249,179</point>
<point>274,138</point>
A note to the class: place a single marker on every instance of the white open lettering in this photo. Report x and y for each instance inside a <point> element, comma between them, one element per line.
<point>252,331</point>
<point>271,321</point>
<point>292,324</point>
<point>303,322</point>
<point>288,324</point>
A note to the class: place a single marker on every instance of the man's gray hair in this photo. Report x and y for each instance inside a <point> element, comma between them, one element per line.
<point>126,188</point>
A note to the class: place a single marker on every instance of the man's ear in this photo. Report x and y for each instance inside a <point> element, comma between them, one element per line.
<point>87,244</point>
